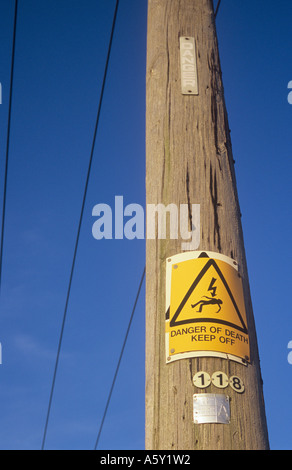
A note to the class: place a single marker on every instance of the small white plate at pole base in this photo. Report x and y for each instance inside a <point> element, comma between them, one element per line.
<point>211,408</point>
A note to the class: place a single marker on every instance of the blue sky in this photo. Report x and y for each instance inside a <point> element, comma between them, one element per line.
<point>60,55</point>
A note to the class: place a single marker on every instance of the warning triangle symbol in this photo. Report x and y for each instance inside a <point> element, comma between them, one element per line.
<point>211,299</point>
<point>203,255</point>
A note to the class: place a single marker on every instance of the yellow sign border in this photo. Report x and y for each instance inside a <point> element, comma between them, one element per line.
<point>179,258</point>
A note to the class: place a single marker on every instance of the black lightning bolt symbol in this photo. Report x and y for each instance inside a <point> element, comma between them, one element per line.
<point>211,287</point>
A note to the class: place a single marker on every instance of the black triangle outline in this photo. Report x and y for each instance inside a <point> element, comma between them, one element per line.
<point>174,322</point>
<point>203,255</point>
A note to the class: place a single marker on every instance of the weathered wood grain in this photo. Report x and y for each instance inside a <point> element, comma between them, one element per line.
<point>189,161</point>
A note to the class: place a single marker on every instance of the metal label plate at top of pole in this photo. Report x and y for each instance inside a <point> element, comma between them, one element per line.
<point>188,66</point>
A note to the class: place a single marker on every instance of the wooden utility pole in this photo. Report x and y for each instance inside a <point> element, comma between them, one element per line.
<point>189,161</point>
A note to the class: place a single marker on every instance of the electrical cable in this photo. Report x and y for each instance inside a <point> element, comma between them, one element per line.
<point>217,8</point>
<point>8,141</point>
<point>119,361</point>
<point>80,223</point>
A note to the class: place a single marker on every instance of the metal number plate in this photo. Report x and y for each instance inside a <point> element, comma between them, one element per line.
<point>201,379</point>
<point>220,380</point>
<point>237,384</point>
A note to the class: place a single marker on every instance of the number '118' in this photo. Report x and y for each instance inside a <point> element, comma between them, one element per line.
<point>218,379</point>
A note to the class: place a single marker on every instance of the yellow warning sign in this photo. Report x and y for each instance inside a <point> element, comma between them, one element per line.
<point>205,314</point>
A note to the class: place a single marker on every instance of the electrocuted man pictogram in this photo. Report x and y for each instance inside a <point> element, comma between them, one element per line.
<point>210,300</point>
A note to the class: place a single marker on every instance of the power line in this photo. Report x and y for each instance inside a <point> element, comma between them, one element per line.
<point>80,222</point>
<point>217,8</point>
<point>119,361</point>
<point>8,141</point>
